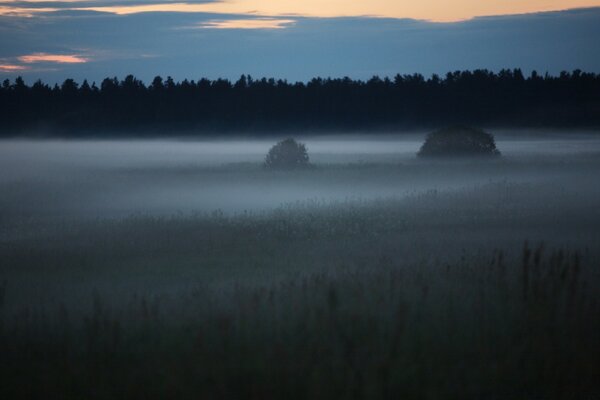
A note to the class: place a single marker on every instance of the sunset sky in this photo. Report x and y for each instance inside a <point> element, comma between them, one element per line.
<point>295,40</point>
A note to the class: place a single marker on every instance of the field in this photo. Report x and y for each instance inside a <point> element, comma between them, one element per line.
<point>151,269</point>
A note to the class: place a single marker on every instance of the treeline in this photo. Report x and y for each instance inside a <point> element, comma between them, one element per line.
<point>479,97</point>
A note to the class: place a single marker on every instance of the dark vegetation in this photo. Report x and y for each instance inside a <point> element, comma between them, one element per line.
<point>479,97</point>
<point>326,302</point>
<point>287,154</point>
<point>481,283</point>
<point>457,142</point>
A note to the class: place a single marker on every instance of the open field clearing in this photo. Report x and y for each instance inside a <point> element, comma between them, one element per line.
<point>183,269</point>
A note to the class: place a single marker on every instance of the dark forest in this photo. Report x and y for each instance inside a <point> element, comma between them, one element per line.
<point>480,97</point>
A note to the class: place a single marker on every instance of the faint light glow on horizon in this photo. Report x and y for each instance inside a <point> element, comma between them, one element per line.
<point>432,10</point>
<point>52,58</point>
<point>259,23</point>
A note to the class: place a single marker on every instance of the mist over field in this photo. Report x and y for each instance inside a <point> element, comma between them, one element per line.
<point>314,200</point>
<point>107,178</point>
<point>153,268</point>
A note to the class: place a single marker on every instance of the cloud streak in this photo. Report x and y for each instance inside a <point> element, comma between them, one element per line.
<point>12,68</point>
<point>23,63</point>
<point>258,23</point>
<point>52,58</point>
<point>30,12</point>
<point>431,10</point>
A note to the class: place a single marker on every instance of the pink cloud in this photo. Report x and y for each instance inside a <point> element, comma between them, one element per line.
<point>260,23</point>
<point>12,67</point>
<point>52,58</point>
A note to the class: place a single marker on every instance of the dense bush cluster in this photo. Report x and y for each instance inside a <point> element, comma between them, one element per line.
<point>287,154</point>
<point>459,141</point>
<point>477,97</point>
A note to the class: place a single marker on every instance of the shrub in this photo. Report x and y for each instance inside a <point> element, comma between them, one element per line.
<point>287,154</point>
<point>459,141</point>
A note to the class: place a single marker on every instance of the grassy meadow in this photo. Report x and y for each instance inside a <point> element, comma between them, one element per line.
<point>365,277</point>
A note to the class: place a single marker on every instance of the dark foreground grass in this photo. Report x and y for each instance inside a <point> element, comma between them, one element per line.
<point>493,330</point>
<point>432,297</point>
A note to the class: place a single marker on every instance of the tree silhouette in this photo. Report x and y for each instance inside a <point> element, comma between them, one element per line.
<point>480,98</point>
<point>458,141</point>
<point>287,154</point>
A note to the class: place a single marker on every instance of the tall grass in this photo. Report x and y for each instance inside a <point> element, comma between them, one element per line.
<point>460,330</point>
<point>434,296</point>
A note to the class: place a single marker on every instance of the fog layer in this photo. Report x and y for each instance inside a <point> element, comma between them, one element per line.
<point>117,178</point>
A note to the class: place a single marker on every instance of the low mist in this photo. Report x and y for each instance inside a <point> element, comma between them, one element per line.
<point>89,179</point>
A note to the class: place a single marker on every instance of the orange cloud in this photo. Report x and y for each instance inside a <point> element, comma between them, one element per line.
<point>12,67</point>
<point>24,11</point>
<point>433,10</point>
<point>52,58</point>
<point>160,7</point>
<point>260,23</point>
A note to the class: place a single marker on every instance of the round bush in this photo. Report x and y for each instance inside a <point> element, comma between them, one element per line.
<point>287,154</point>
<point>459,141</point>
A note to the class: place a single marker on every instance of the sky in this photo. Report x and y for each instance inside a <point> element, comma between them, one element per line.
<point>293,40</point>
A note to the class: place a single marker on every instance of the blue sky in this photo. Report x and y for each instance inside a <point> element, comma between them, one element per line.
<point>62,41</point>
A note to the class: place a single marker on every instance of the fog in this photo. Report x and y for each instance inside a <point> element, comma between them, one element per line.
<point>115,178</point>
<point>542,189</point>
<point>112,252</point>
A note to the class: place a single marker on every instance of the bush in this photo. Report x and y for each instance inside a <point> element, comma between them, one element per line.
<point>459,141</point>
<point>287,154</point>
